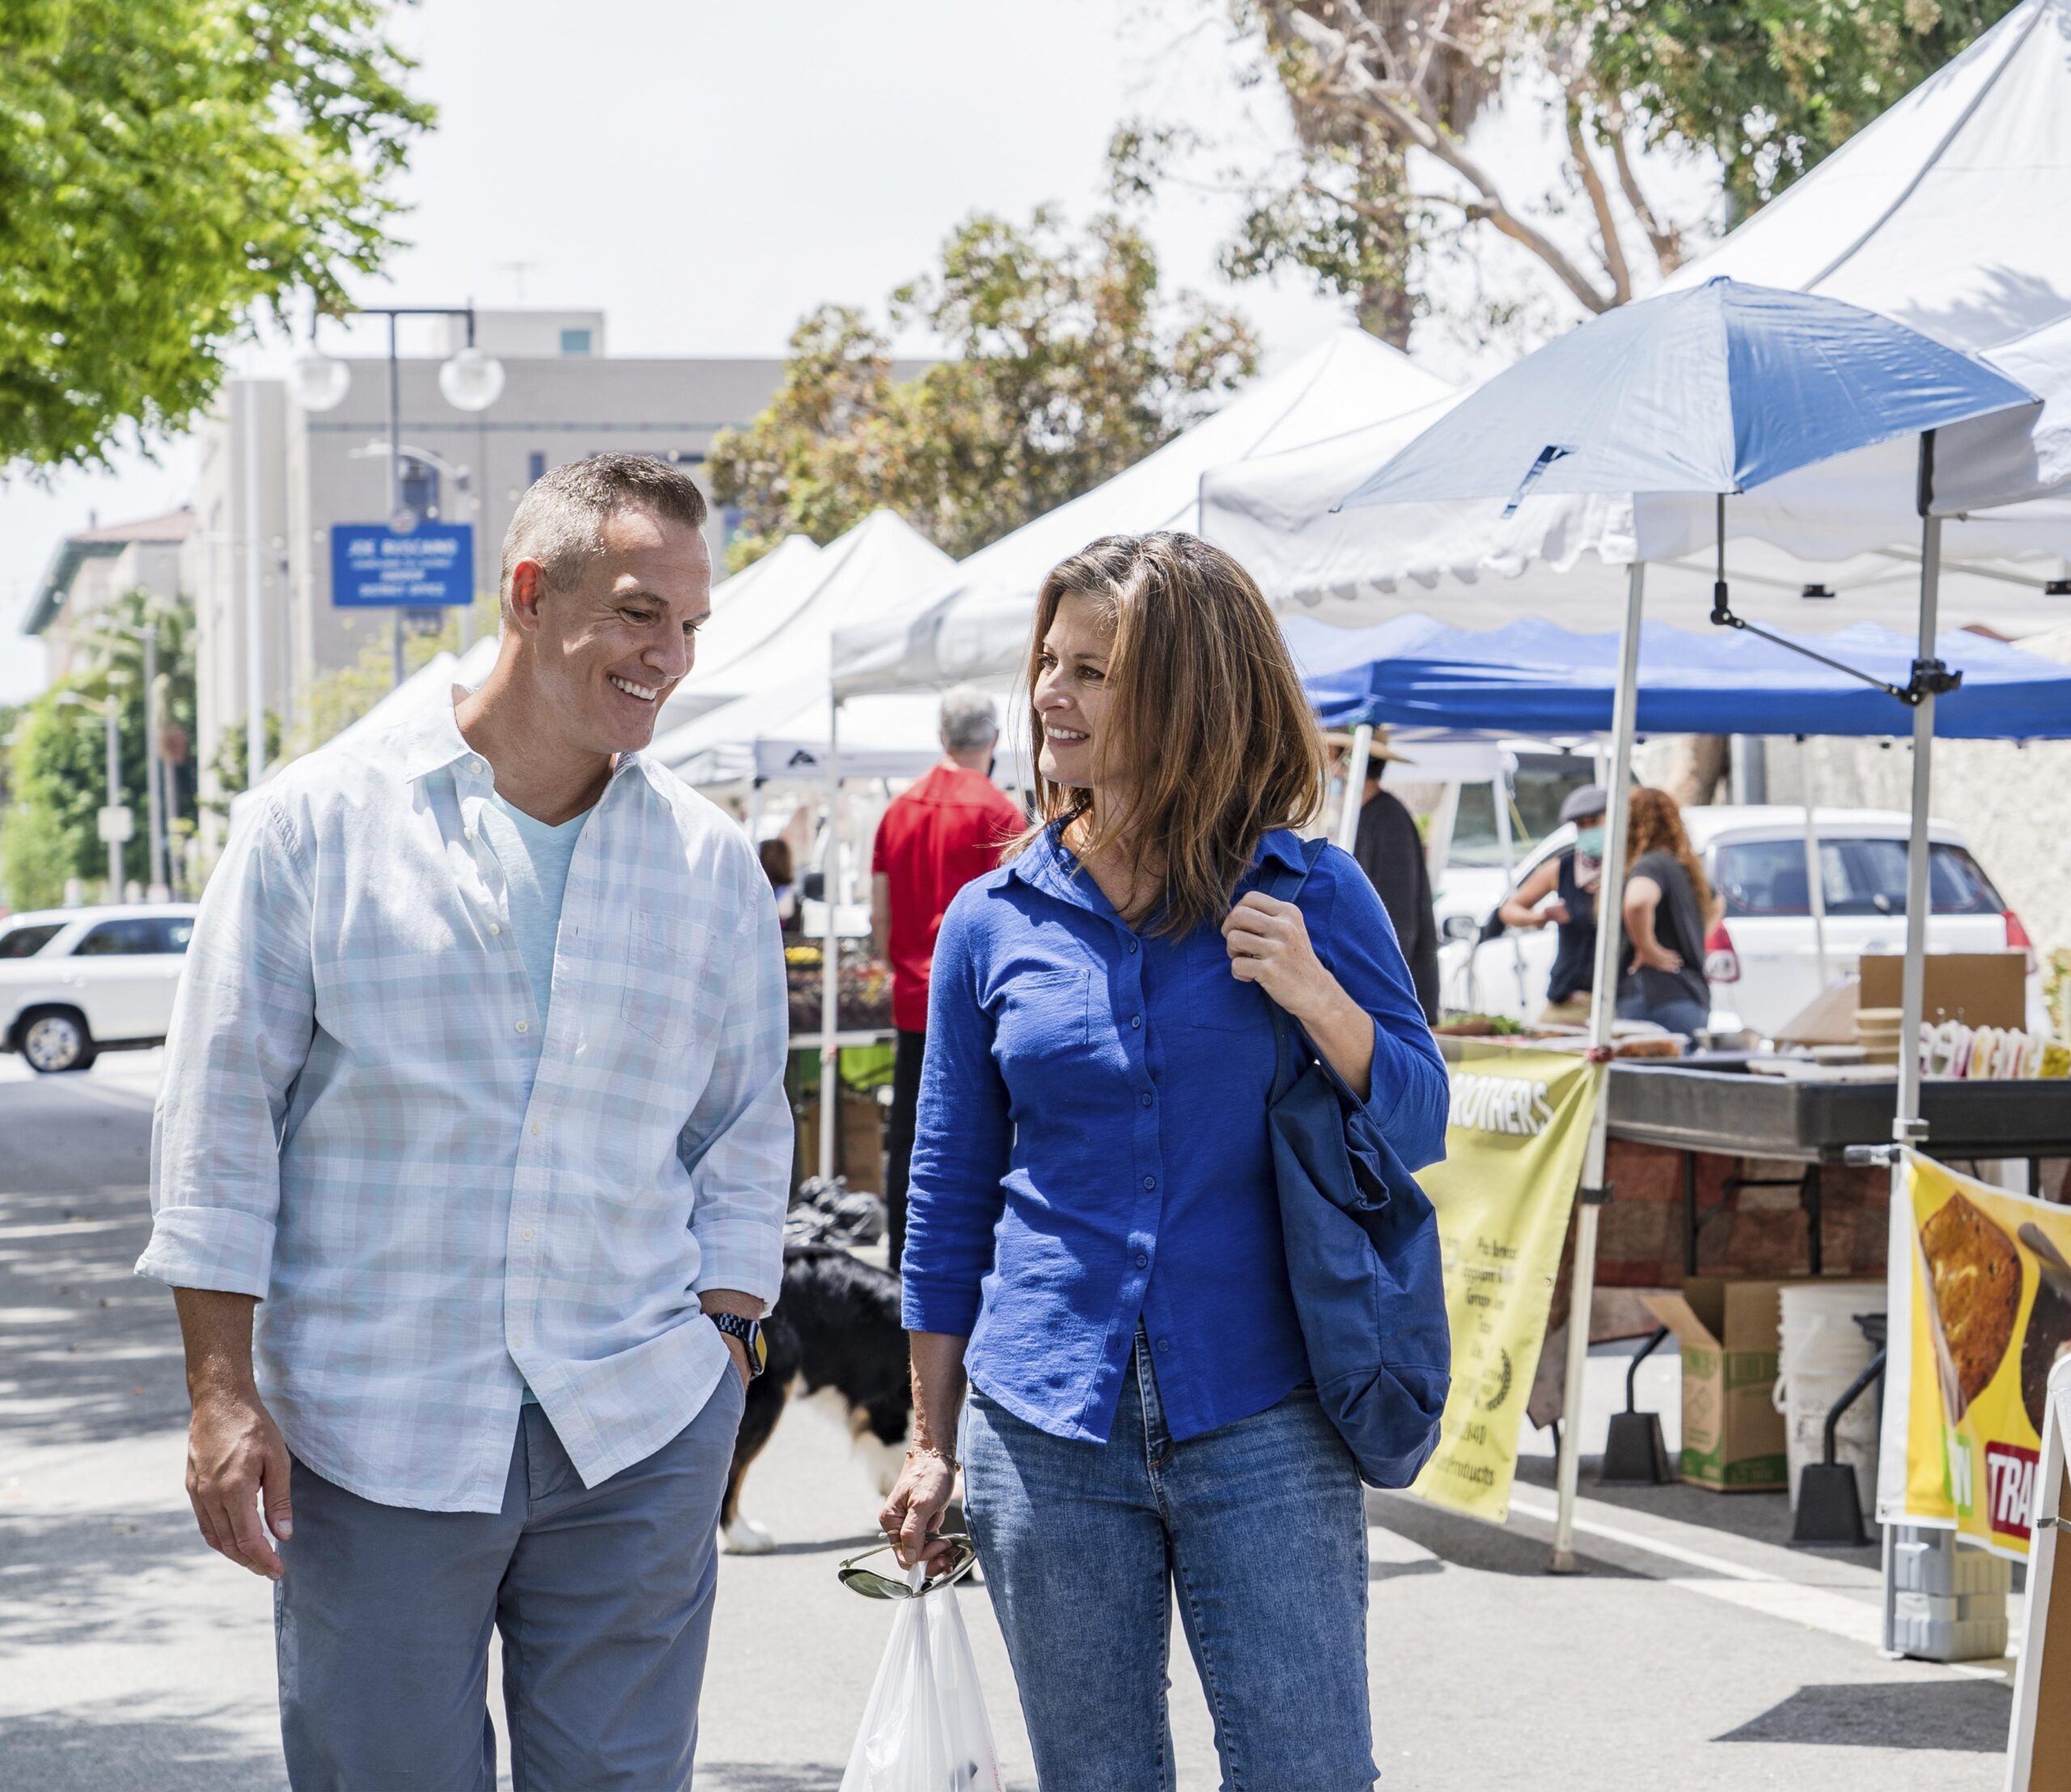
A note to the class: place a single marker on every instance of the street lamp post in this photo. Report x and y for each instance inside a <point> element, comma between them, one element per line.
<point>114,800</point>
<point>469,381</point>
<point>155,867</point>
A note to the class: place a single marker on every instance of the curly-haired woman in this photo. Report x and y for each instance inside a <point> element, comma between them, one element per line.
<point>1093,1237</point>
<point>1667,906</point>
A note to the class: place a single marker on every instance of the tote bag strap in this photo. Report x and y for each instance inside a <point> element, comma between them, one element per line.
<point>1283,883</point>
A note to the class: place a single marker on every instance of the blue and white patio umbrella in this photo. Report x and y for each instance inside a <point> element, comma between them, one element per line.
<point>1713,390</point>
<point>1716,389</point>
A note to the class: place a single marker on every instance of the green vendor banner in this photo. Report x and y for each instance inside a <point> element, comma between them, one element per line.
<point>1513,1153</point>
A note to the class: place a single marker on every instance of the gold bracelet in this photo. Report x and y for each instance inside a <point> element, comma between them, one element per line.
<point>940,1455</point>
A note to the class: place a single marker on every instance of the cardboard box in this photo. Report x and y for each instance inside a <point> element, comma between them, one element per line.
<point>1978,989</point>
<point>1733,1436</point>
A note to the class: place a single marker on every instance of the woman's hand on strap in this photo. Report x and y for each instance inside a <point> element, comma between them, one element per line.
<point>1268,944</point>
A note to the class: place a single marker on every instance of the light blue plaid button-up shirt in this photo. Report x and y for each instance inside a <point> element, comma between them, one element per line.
<point>351,1127</point>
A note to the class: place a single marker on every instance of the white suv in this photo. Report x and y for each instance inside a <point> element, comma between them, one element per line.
<point>1761,955</point>
<point>77,982</point>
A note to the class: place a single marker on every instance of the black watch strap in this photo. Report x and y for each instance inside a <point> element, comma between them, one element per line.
<point>749,1333</point>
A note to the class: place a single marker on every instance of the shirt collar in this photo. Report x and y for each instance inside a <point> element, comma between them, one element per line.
<point>430,740</point>
<point>1046,863</point>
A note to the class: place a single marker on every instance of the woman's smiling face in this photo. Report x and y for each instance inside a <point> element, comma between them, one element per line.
<point>1072,696</point>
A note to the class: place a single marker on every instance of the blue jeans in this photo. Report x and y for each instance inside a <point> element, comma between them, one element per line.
<point>603,1595</point>
<point>1262,1526</point>
<point>1679,1015</point>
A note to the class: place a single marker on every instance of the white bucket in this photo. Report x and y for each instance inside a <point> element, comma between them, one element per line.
<point>1821,1351</point>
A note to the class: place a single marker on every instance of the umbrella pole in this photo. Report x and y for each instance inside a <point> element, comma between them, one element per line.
<point>1603,1003</point>
<point>1815,887</point>
<point>830,976</point>
<point>1355,786</point>
<point>1909,1128</point>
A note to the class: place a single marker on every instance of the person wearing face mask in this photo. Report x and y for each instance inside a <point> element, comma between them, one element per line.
<point>1571,878</point>
<point>1094,1244</point>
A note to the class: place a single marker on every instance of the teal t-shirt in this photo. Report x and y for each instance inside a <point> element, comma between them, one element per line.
<point>534,859</point>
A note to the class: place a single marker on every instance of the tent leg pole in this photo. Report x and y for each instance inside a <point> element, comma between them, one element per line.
<point>1355,786</point>
<point>1603,1002</point>
<point>830,983</point>
<point>1907,1128</point>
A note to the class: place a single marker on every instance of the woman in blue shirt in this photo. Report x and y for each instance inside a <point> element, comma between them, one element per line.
<point>1093,1237</point>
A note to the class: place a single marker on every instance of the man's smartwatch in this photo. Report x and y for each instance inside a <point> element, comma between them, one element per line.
<point>749,1333</point>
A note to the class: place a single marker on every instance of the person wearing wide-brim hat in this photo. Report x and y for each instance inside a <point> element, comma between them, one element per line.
<point>1391,852</point>
<point>1572,878</point>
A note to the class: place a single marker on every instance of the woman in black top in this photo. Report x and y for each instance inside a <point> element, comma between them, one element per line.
<point>1667,904</point>
<point>1571,878</point>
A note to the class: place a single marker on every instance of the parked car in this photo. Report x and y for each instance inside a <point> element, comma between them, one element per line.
<point>77,982</point>
<point>1761,955</point>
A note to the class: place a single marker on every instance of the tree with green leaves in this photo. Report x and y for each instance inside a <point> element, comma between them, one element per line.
<point>1065,365</point>
<point>56,772</point>
<point>164,168</point>
<point>1382,94</point>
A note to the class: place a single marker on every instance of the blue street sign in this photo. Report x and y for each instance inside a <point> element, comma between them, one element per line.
<point>374,567</point>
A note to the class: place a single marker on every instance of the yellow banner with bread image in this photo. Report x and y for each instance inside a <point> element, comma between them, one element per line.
<point>1993,1312</point>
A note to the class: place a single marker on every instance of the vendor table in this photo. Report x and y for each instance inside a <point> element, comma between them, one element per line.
<point>1720,1108</point>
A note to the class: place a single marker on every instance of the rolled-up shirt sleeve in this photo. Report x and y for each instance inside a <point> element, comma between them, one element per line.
<point>961,1142</point>
<point>240,1036</point>
<point>737,1143</point>
<point>1409,1093</point>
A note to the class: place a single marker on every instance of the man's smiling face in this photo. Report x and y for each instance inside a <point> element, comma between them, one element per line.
<point>608,651</point>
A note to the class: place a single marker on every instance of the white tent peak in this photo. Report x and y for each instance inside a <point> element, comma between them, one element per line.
<point>975,623</point>
<point>878,567</point>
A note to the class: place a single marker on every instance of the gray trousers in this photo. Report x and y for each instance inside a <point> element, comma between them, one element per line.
<point>602,1594</point>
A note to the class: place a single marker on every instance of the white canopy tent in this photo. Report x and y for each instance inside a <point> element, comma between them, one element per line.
<point>973,623</point>
<point>777,633</point>
<point>784,732</point>
<point>749,612</point>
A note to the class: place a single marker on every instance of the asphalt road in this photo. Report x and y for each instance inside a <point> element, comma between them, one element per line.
<point>1694,1652</point>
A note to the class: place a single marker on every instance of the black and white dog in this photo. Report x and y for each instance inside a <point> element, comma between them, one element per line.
<point>834,1333</point>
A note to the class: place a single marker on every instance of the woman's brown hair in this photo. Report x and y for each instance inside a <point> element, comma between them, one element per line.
<point>1207,712</point>
<point>1654,824</point>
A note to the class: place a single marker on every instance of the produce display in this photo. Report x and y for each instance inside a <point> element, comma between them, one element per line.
<point>863,991</point>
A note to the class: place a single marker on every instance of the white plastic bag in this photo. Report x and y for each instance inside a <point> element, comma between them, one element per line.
<point>925,1728</point>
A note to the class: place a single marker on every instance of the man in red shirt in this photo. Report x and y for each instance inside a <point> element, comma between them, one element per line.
<point>935,839</point>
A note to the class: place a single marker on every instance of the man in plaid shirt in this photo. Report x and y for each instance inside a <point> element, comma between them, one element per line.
<point>469,1177</point>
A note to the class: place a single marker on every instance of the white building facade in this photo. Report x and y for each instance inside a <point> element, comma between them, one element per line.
<point>563,399</point>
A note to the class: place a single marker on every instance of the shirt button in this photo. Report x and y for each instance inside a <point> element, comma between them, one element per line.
<point>471,833</point>
<point>1136,1020</point>
<point>1151,1182</point>
<point>1164,1344</point>
<point>1142,1262</point>
<point>476,766</point>
<point>539,1126</point>
<point>1131,945</point>
<point>527,1234</point>
<point>494,929</point>
<point>524,1025</point>
<point>1147,1098</point>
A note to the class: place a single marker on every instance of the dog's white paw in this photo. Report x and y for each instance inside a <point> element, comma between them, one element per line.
<point>745,1537</point>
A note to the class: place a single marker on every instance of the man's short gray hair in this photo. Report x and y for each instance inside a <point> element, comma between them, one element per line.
<point>560,523</point>
<point>969,718</point>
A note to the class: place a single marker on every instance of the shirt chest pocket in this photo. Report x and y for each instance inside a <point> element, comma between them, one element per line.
<point>1044,1015</point>
<point>670,976</point>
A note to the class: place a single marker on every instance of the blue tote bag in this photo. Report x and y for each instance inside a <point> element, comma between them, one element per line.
<point>1362,1256</point>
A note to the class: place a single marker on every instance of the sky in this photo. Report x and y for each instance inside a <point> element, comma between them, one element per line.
<point>706,172</point>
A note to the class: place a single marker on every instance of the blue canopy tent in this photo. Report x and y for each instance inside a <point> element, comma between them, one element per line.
<point>1535,678</point>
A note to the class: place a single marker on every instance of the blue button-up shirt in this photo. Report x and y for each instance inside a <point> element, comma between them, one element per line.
<point>1092,1149</point>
